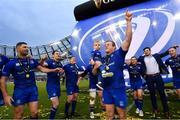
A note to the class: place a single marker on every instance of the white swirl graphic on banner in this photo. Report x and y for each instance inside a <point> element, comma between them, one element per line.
<point>139,33</point>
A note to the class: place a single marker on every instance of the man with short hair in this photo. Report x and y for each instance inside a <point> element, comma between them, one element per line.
<point>135,72</point>
<point>174,63</point>
<point>114,92</point>
<point>3,61</point>
<point>153,68</point>
<point>22,69</point>
<point>53,81</point>
<point>72,89</point>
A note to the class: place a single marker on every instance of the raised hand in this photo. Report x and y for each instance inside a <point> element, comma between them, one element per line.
<point>176,46</point>
<point>128,16</point>
<point>44,57</point>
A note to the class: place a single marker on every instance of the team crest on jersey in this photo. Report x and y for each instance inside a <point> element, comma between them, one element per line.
<point>53,63</point>
<point>121,103</point>
<point>18,101</point>
<point>32,62</point>
<point>17,64</point>
<point>54,94</point>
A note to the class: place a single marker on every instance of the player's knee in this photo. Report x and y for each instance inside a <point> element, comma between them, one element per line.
<point>74,98</point>
<point>135,96</point>
<point>122,116</point>
<point>55,104</point>
<point>69,99</point>
<point>34,114</point>
<point>140,96</point>
<point>18,115</point>
<point>110,115</point>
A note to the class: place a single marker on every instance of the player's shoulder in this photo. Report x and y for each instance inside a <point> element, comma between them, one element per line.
<point>169,59</point>
<point>32,60</point>
<point>67,65</point>
<point>49,61</point>
<point>3,57</point>
<point>12,62</point>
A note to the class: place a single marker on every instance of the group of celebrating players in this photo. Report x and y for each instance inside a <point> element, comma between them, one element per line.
<point>105,78</point>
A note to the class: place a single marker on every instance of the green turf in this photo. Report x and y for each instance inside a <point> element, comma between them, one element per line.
<point>83,102</point>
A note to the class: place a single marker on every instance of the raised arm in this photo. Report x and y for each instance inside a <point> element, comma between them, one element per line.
<point>42,60</point>
<point>167,51</point>
<point>128,38</point>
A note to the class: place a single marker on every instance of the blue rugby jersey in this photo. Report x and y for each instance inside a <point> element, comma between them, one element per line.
<point>115,62</point>
<point>71,73</point>
<point>135,72</point>
<point>96,55</point>
<point>53,77</point>
<point>20,80</point>
<point>174,63</point>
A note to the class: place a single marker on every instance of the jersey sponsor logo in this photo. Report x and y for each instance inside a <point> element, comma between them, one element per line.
<point>18,101</point>
<point>54,94</point>
<point>110,64</point>
<point>121,103</point>
<point>17,64</point>
<point>31,61</point>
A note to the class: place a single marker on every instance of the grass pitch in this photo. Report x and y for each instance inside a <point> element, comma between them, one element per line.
<point>83,105</point>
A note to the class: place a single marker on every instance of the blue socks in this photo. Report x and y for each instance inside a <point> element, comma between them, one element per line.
<point>73,107</point>
<point>53,113</point>
<point>140,104</point>
<point>67,108</point>
<point>136,103</point>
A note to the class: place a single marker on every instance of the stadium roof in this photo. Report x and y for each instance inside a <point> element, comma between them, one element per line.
<point>37,51</point>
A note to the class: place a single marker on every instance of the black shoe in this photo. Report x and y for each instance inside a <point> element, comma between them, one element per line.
<point>167,115</point>
<point>99,85</point>
<point>66,117</point>
<point>75,114</point>
<point>155,113</point>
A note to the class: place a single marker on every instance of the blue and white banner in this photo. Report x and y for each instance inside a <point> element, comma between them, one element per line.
<point>156,24</point>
